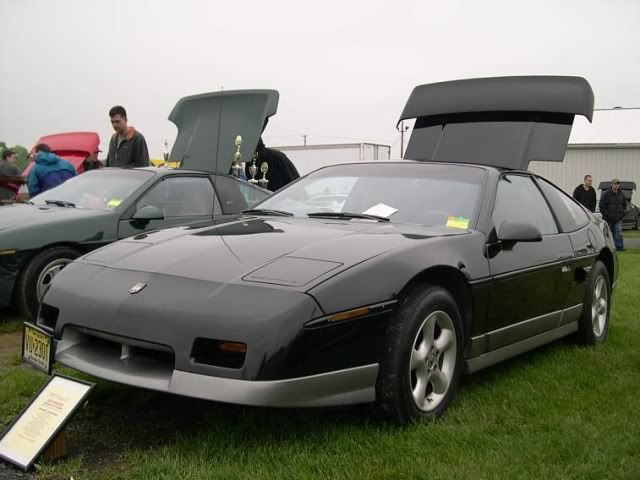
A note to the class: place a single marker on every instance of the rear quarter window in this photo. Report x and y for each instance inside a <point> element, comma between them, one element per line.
<point>569,213</point>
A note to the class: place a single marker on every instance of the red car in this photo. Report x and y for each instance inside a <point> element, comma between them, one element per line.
<point>78,148</point>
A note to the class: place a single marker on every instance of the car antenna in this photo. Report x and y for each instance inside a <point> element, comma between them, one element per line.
<point>215,177</point>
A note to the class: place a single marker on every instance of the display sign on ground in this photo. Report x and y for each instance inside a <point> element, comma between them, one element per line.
<point>42,419</point>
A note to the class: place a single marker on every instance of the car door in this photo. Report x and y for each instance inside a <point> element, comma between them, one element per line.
<point>576,223</point>
<point>183,199</point>
<point>529,281</point>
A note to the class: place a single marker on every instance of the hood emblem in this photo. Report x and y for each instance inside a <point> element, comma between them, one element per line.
<point>137,288</point>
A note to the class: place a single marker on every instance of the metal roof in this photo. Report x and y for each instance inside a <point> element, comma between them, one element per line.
<point>613,126</point>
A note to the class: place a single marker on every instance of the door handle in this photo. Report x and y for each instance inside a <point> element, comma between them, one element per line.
<point>564,257</point>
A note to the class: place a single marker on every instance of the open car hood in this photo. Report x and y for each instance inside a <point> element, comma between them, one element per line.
<point>502,122</point>
<point>72,146</point>
<point>208,125</point>
<point>625,187</point>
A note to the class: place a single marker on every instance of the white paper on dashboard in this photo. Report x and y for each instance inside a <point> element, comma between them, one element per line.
<point>381,210</point>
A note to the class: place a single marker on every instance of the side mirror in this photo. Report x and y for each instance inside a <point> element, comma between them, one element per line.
<point>519,232</point>
<point>148,212</point>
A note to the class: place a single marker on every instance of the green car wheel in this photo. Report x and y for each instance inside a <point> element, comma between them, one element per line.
<point>35,277</point>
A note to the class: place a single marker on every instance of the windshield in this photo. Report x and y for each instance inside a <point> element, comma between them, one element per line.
<point>414,193</point>
<point>103,189</point>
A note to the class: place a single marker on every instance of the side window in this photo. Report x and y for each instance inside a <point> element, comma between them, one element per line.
<point>236,195</point>
<point>251,195</point>
<point>518,199</point>
<point>181,197</point>
<point>570,215</point>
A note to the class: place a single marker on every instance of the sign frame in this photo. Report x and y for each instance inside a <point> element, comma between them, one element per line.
<point>52,347</point>
<point>58,430</point>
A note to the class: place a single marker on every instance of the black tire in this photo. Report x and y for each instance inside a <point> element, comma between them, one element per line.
<point>397,380</point>
<point>26,289</point>
<point>593,324</point>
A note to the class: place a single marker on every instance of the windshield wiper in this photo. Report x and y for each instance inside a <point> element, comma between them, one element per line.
<point>266,211</point>
<point>347,215</point>
<point>60,203</point>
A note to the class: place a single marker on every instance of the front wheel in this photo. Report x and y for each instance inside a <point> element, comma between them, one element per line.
<point>36,276</point>
<point>593,324</point>
<point>422,361</point>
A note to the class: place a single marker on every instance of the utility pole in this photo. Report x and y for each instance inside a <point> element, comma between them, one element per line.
<point>402,130</point>
<point>304,137</point>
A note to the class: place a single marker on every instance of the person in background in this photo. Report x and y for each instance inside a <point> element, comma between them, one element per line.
<point>613,204</point>
<point>92,162</point>
<point>127,148</point>
<point>49,171</point>
<point>281,170</point>
<point>586,194</point>
<point>9,189</point>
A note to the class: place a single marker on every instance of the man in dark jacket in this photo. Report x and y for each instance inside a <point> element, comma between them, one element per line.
<point>280,170</point>
<point>612,207</point>
<point>10,185</point>
<point>49,171</point>
<point>127,148</point>
<point>585,194</point>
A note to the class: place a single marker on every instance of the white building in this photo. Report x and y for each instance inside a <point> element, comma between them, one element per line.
<point>605,149</point>
<point>307,158</point>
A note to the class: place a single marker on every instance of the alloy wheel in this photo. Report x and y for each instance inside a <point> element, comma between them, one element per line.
<point>600,305</point>
<point>433,361</point>
<point>48,273</point>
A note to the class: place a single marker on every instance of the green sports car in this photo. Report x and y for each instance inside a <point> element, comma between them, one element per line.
<point>101,206</point>
<point>39,238</point>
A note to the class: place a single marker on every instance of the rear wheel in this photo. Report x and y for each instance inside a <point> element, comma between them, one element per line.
<point>36,276</point>
<point>593,325</point>
<point>422,361</point>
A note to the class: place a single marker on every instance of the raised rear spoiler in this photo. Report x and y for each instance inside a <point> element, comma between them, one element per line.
<point>503,122</point>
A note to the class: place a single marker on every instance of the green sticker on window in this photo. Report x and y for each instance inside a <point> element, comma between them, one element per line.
<point>457,222</point>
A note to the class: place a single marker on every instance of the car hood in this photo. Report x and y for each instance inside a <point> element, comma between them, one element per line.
<point>208,125</point>
<point>21,215</point>
<point>297,253</point>
<point>20,225</point>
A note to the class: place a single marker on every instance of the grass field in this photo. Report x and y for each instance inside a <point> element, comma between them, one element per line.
<point>561,412</point>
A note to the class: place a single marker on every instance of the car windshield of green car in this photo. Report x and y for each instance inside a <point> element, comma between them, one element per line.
<point>95,190</point>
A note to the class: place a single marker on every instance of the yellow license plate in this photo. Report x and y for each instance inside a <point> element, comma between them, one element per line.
<point>37,347</point>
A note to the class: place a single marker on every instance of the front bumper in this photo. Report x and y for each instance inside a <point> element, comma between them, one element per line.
<point>342,387</point>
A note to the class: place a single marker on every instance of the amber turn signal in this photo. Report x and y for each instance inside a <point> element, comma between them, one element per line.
<point>349,314</point>
<point>232,346</point>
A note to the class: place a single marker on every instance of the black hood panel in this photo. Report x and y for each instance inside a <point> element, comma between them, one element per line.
<point>287,252</point>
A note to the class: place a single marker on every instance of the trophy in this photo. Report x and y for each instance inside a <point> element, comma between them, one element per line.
<point>264,168</point>
<point>237,158</point>
<point>165,152</point>
<point>253,170</point>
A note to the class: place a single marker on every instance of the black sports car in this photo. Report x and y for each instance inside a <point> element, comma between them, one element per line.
<point>379,282</point>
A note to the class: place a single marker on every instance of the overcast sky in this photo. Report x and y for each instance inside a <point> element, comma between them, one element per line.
<point>343,69</point>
